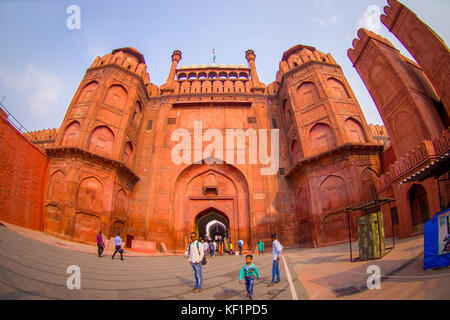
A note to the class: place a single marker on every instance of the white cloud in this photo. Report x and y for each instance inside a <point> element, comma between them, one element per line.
<point>371,19</point>
<point>326,22</point>
<point>42,90</point>
<point>95,52</point>
<point>322,4</point>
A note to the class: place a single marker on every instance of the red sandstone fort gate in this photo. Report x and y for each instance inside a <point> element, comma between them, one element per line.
<point>200,189</point>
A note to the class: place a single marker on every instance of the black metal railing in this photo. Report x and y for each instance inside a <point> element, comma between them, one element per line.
<point>11,119</point>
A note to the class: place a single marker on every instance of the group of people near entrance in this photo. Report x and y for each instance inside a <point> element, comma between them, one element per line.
<point>117,242</point>
<point>217,246</point>
<point>197,252</point>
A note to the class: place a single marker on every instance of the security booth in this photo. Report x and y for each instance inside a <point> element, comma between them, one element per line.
<point>372,243</point>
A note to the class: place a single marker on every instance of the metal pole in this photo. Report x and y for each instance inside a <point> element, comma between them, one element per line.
<point>349,236</point>
<point>379,231</point>
<point>392,226</point>
<point>439,193</point>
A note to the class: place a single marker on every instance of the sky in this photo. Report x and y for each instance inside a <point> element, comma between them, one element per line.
<point>42,61</point>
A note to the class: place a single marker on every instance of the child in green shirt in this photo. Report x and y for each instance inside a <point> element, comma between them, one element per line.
<point>248,271</point>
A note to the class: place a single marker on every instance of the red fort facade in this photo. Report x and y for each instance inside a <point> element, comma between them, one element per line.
<point>110,165</point>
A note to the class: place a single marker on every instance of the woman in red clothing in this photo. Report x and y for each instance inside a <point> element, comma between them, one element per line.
<point>221,247</point>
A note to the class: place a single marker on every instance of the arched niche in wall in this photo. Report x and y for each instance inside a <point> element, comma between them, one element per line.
<point>337,89</point>
<point>307,93</point>
<point>116,96</point>
<point>88,92</point>
<point>333,193</point>
<point>355,131</point>
<point>56,187</point>
<point>321,138</point>
<point>295,151</point>
<point>368,183</point>
<point>137,113</point>
<point>120,205</point>
<point>102,141</point>
<point>90,195</point>
<point>128,152</point>
<point>71,134</point>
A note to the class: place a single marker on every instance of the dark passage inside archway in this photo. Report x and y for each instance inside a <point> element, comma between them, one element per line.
<point>212,223</point>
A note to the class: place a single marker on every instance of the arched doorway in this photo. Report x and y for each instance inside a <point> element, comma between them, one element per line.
<point>420,212</point>
<point>200,189</point>
<point>211,223</point>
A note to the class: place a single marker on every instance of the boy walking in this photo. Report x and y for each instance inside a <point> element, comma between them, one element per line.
<point>248,271</point>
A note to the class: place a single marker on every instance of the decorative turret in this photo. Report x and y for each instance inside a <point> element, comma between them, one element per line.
<point>256,85</point>
<point>168,86</point>
<point>106,112</point>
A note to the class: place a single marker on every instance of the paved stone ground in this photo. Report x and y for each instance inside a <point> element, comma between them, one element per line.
<point>33,266</point>
<point>32,269</point>
<point>321,270</point>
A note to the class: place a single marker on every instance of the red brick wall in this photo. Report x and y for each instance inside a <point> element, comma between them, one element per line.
<point>22,178</point>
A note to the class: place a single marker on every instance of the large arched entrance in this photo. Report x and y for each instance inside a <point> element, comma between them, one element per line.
<point>212,198</point>
<point>420,211</point>
<point>212,223</point>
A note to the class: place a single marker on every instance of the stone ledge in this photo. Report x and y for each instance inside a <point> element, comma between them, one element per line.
<point>72,152</point>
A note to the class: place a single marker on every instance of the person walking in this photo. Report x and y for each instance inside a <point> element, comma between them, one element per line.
<point>205,246</point>
<point>240,246</point>
<point>260,248</point>
<point>196,254</point>
<point>220,247</point>
<point>100,244</point>
<point>248,271</point>
<point>276,251</point>
<point>211,248</point>
<point>231,249</point>
<point>118,242</point>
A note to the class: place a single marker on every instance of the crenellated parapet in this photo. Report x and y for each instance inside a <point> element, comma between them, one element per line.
<point>44,138</point>
<point>417,158</point>
<point>379,134</point>
<point>131,60</point>
<point>213,78</point>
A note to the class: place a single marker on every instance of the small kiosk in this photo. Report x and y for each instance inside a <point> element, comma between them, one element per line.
<point>370,230</point>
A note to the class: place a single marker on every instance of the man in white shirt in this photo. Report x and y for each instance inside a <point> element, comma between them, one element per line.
<point>196,253</point>
<point>205,246</point>
<point>276,252</point>
<point>118,242</point>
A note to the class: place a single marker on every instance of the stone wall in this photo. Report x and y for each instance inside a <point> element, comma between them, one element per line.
<point>23,174</point>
